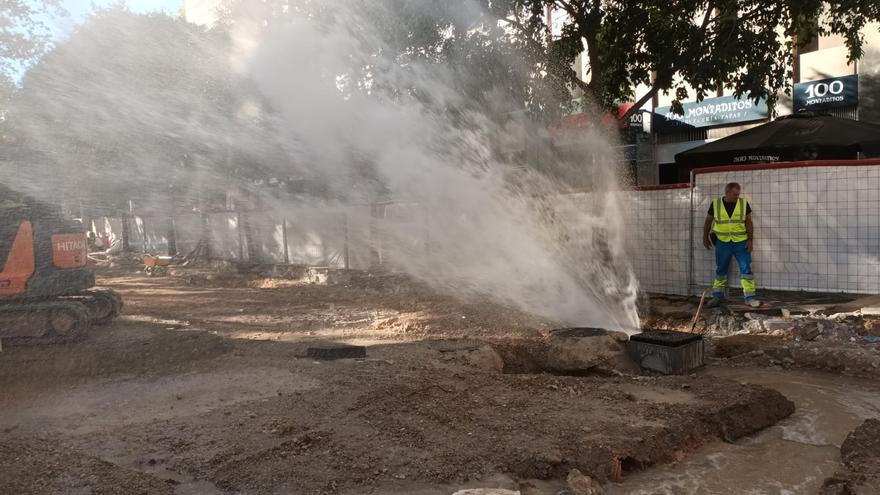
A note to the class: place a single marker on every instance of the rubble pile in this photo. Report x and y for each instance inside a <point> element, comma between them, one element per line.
<point>846,343</point>
<point>851,326</point>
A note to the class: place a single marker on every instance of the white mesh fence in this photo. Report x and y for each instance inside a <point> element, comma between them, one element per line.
<point>658,238</point>
<point>817,228</point>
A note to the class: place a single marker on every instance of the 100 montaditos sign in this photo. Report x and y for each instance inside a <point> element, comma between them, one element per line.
<point>842,91</point>
<point>710,112</point>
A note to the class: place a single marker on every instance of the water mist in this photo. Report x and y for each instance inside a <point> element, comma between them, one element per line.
<point>523,241</point>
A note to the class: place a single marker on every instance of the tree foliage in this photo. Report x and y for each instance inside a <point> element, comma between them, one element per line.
<point>670,45</point>
<point>131,104</point>
<point>24,37</point>
<point>687,47</point>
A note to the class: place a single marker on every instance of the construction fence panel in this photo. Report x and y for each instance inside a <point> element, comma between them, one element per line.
<point>357,222</point>
<point>225,236</point>
<point>816,227</point>
<point>136,234</point>
<point>658,237</point>
<point>187,232</point>
<point>316,236</point>
<point>265,236</point>
<point>400,230</point>
<point>153,234</point>
<point>107,225</point>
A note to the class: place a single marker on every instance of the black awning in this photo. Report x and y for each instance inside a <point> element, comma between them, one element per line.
<point>803,136</point>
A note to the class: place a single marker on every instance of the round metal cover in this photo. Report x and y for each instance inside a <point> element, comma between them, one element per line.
<point>578,332</point>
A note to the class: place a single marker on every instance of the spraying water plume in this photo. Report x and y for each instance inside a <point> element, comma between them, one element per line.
<point>518,239</point>
<point>318,95</point>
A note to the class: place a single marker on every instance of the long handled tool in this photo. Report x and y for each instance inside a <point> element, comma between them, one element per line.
<point>697,315</point>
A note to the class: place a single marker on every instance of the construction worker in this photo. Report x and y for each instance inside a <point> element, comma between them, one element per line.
<point>729,229</point>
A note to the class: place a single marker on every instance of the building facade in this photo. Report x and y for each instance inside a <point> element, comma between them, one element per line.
<point>822,81</point>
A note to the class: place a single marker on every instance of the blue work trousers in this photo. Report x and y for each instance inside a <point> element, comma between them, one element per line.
<point>724,251</point>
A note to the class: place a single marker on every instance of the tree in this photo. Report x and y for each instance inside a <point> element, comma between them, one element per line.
<point>670,44</point>
<point>24,37</point>
<point>135,107</point>
<point>507,46</point>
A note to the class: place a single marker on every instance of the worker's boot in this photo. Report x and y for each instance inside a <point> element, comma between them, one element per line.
<point>752,301</point>
<point>717,299</point>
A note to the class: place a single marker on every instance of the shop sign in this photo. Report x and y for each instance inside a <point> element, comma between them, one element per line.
<point>833,92</point>
<point>722,110</point>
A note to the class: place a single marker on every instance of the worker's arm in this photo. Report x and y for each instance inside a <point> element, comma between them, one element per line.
<point>750,229</point>
<point>707,228</point>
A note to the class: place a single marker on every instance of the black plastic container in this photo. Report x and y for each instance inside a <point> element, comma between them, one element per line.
<point>670,353</point>
<point>669,339</point>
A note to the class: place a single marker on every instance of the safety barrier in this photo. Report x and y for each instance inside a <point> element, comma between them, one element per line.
<point>659,237</point>
<point>313,236</point>
<point>817,227</point>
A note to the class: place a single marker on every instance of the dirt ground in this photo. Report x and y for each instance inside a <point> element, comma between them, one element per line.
<point>200,388</point>
<point>860,463</point>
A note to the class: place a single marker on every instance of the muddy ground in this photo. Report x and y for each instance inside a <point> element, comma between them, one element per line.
<point>860,463</point>
<point>200,388</point>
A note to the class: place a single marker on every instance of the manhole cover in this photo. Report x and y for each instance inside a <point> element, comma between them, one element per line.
<point>337,351</point>
<point>578,332</point>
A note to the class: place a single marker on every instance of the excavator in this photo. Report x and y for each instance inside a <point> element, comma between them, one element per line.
<point>47,293</point>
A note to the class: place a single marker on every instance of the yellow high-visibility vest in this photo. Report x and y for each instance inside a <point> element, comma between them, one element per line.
<point>730,228</point>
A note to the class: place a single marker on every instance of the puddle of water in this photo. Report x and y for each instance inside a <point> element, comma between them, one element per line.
<point>792,457</point>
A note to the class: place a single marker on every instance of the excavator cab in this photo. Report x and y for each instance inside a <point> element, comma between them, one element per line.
<point>46,289</point>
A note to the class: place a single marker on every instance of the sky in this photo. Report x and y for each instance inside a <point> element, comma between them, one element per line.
<point>79,9</point>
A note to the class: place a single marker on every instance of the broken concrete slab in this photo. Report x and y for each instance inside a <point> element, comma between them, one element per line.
<point>601,354</point>
<point>775,324</point>
<point>571,354</point>
<point>487,359</point>
<point>579,484</point>
<point>808,330</point>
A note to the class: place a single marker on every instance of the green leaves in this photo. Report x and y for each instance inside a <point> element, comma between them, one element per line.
<point>672,44</point>
<point>24,37</point>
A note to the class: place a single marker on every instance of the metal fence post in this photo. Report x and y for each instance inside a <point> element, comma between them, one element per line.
<point>284,245</point>
<point>241,235</point>
<point>691,270</point>
<point>345,252</point>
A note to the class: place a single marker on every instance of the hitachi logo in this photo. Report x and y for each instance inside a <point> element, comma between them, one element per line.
<point>70,245</point>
